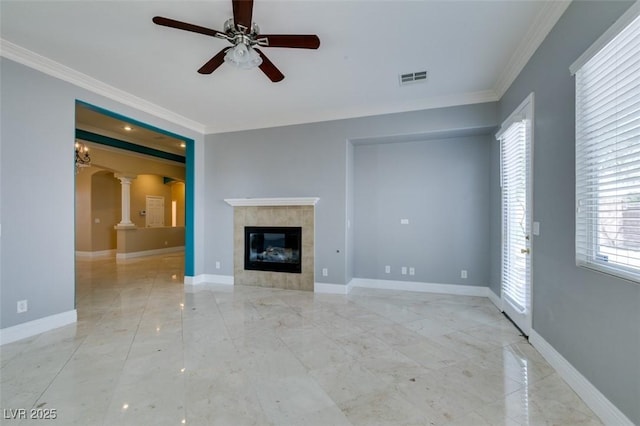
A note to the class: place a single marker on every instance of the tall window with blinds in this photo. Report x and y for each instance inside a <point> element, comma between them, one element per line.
<point>514,215</point>
<point>608,155</point>
<point>516,145</point>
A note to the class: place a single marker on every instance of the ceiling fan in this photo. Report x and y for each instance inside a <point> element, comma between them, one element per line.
<point>244,34</point>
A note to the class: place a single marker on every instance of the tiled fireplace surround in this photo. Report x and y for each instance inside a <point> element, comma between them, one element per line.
<point>274,212</point>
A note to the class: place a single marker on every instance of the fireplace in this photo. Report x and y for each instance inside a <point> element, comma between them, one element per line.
<point>273,248</point>
<point>277,213</point>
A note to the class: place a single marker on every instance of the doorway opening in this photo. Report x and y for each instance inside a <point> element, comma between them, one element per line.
<point>122,147</point>
<point>516,142</point>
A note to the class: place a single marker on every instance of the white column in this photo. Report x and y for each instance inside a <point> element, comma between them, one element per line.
<point>125,181</point>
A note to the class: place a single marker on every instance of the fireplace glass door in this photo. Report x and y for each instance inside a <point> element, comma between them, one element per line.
<point>276,249</point>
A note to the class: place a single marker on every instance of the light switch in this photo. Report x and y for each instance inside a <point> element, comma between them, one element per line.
<point>536,228</point>
<point>404,221</point>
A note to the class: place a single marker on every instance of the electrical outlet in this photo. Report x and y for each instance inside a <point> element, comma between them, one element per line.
<point>403,271</point>
<point>404,221</point>
<point>22,306</point>
<point>387,269</point>
<point>217,264</point>
<point>325,272</point>
<point>412,270</point>
<point>463,274</point>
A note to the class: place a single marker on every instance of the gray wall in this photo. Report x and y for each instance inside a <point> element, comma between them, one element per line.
<point>592,319</point>
<point>350,254</point>
<point>278,162</point>
<point>495,220</point>
<point>442,187</point>
<point>37,211</point>
<point>311,160</point>
<point>37,195</point>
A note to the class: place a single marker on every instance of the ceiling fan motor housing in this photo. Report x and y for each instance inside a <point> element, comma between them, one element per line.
<point>237,34</point>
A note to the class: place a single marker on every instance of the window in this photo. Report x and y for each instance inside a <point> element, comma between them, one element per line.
<point>608,151</point>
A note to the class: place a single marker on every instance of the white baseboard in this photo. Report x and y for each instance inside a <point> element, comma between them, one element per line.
<point>495,299</point>
<point>595,400</point>
<point>126,256</point>
<point>209,278</point>
<point>31,328</point>
<point>328,288</point>
<point>461,290</point>
<point>95,254</point>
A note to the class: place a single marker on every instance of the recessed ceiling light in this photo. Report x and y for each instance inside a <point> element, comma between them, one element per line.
<point>128,128</point>
<point>183,145</point>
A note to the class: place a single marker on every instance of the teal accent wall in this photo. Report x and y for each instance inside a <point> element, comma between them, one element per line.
<point>189,238</point>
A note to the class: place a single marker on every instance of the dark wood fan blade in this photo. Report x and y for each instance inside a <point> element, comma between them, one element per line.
<point>214,62</point>
<point>172,23</point>
<point>269,69</point>
<point>242,13</point>
<point>299,41</point>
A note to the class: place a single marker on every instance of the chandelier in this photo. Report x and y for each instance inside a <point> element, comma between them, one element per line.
<point>82,156</point>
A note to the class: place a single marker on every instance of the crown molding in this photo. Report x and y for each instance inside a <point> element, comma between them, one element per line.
<point>55,69</point>
<point>369,110</point>
<point>38,62</point>
<point>537,32</point>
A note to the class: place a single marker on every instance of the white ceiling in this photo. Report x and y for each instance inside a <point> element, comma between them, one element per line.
<point>472,50</point>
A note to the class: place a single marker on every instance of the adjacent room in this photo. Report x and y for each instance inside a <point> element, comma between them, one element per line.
<point>147,217</point>
<point>348,212</point>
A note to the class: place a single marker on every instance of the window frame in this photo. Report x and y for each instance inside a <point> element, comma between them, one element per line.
<point>587,225</point>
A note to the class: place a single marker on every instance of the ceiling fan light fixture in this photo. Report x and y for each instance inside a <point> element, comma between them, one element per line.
<point>243,57</point>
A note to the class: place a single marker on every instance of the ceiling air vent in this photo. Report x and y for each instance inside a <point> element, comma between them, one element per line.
<point>413,77</point>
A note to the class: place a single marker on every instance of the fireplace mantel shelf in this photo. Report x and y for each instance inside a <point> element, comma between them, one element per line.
<point>282,201</point>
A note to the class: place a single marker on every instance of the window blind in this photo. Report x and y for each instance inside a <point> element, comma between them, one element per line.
<point>608,157</point>
<point>514,219</point>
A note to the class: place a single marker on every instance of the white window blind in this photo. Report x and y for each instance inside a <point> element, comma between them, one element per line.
<point>515,217</point>
<point>608,157</point>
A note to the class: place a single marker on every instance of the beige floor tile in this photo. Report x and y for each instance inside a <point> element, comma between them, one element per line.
<point>148,350</point>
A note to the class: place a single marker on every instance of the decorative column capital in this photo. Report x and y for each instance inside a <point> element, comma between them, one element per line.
<point>125,178</point>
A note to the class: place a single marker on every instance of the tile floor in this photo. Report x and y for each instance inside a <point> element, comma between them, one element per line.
<point>147,352</point>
